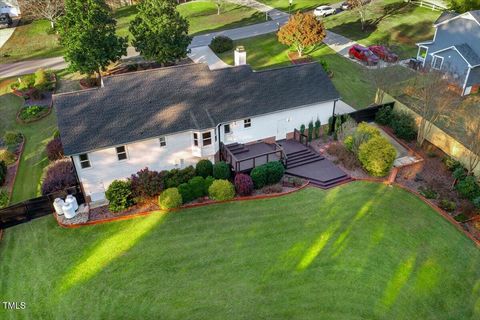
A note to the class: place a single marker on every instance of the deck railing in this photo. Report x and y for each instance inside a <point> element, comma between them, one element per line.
<point>236,163</point>
<point>300,137</point>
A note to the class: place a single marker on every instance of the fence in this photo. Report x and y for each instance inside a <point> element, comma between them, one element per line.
<point>35,208</point>
<point>434,5</point>
<point>364,115</point>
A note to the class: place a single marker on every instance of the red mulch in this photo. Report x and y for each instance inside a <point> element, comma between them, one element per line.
<point>102,213</point>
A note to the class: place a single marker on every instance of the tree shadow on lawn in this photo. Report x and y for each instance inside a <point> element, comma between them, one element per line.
<point>253,19</point>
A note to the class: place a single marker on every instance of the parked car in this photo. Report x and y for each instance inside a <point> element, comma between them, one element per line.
<point>5,20</point>
<point>363,54</point>
<point>384,53</point>
<point>324,11</point>
<point>346,6</point>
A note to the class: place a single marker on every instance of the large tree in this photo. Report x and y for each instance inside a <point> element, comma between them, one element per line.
<point>87,33</point>
<point>159,32</point>
<point>302,31</point>
<point>42,9</point>
<point>434,95</point>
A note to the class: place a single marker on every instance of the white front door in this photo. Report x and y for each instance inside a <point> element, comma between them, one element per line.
<point>281,129</point>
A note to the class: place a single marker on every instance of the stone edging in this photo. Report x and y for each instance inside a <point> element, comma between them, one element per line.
<point>188,206</point>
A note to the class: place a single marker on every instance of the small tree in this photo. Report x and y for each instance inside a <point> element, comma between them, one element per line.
<point>42,9</point>
<point>88,34</point>
<point>361,7</point>
<point>219,4</point>
<point>302,31</point>
<point>159,32</point>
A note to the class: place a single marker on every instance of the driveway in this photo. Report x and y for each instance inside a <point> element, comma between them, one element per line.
<point>206,55</point>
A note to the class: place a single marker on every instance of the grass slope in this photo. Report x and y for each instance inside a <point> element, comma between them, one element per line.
<point>352,80</point>
<point>391,22</point>
<point>34,159</point>
<point>359,251</point>
<point>301,5</point>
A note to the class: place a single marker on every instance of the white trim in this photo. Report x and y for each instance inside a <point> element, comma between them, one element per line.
<point>461,55</point>
<point>420,57</point>
<point>433,62</point>
<point>125,152</point>
<point>459,16</point>
<point>466,80</point>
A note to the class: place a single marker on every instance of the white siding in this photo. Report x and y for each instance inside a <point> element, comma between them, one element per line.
<point>276,124</point>
<point>105,166</point>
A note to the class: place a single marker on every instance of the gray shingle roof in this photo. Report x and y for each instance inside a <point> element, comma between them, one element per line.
<point>476,15</point>
<point>467,52</point>
<point>446,15</point>
<point>152,103</point>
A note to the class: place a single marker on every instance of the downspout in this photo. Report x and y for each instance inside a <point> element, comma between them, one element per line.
<point>78,179</point>
<point>219,140</point>
<point>333,116</point>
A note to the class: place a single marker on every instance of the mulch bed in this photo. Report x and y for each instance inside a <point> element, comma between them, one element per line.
<point>295,59</point>
<point>102,213</point>
<point>13,169</point>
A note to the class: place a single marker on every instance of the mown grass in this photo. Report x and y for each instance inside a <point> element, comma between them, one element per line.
<point>297,5</point>
<point>360,251</point>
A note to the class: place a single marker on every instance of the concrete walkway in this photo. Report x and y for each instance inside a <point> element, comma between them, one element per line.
<point>6,33</point>
<point>206,55</point>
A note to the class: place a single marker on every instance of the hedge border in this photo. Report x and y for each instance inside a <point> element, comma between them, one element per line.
<point>17,165</point>
<point>188,206</point>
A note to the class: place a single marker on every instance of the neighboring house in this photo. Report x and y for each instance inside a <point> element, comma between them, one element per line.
<point>455,48</point>
<point>173,117</point>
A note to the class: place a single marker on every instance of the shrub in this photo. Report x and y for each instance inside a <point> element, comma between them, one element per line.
<point>197,187</point>
<point>459,173</point>
<point>175,177</point>
<point>348,143</point>
<point>221,170</point>
<point>170,199</point>
<point>274,188</point>
<point>59,176</point>
<point>221,44</point>
<point>243,184</point>
<point>147,183</point>
<point>8,157</point>
<point>54,149</point>
<point>12,138</point>
<point>384,115</point>
<point>452,164</point>
<point>344,156</point>
<point>31,112</point>
<point>403,125</point>
<point>476,202</point>
<point>447,205</point>
<point>4,199</point>
<point>42,81</point>
<point>221,190</point>
<point>310,131</point>
<point>275,171</point>
<point>377,156</point>
<point>468,188</point>
<point>368,129</point>
<point>120,195</point>
<point>317,128</point>
<point>3,172</point>
<point>26,82</point>
<point>204,168</point>
<point>259,177</point>
<point>428,192</point>
<point>208,182</point>
<point>186,192</point>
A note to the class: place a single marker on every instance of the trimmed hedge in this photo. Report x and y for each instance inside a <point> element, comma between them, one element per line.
<point>186,192</point>
<point>197,187</point>
<point>120,195</point>
<point>221,170</point>
<point>403,125</point>
<point>243,184</point>
<point>221,190</point>
<point>208,182</point>
<point>221,44</point>
<point>176,177</point>
<point>170,199</point>
<point>204,168</point>
<point>147,183</point>
<point>275,171</point>
<point>259,177</point>
<point>377,156</point>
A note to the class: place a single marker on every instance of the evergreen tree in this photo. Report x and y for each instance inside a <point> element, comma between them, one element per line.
<point>160,33</point>
<point>87,33</point>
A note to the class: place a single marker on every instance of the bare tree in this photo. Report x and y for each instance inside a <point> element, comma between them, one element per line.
<point>472,134</point>
<point>46,9</point>
<point>434,93</point>
<point>219,4</point>
<point>362,7</point>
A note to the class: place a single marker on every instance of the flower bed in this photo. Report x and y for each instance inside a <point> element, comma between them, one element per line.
<point>12,170</point>
<point>32,113</point>
<point>34,86</point>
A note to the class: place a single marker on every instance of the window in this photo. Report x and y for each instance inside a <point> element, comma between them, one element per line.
<point>226,128</point>
<point>195,139</point>
<point>84,161</point>
<point>207,138</point>
<point>247,123</point>
<point>163,142</point>
<point>422,53</point>
<point>437,62</point>
<point>121,153</point>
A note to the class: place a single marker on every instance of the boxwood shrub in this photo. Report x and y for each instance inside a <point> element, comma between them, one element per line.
<point>259,177</point>
<point>175,177</point>
<point>221,44</point>
<point>170,199</point>
<point>221,170</point>
<point>275,171</point>
<point>403,125</point>
<point>208,182</point>
<point>197,187</point>
<point>186,192</point>
<point>204,168</point>
<point>221,190</point>
<point>377,156</point>
<point>243,184</point>
<point>120,195</point>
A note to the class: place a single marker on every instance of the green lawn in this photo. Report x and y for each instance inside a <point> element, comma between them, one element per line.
<point>360,251</point>
<point>296,4</point>
<point>352,80</point>
<point>391,22</point>
<point>30,41</point>
<point>27,184</point>
<point>202,16</point>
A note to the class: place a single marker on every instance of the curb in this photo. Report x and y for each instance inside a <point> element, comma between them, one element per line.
<point>188,206</point>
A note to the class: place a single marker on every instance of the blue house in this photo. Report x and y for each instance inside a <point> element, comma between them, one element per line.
<point>455,48</point>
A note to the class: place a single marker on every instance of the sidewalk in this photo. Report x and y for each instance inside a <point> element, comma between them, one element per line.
<point>206,55</point>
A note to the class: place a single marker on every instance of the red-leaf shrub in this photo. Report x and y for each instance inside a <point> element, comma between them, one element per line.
<point>147,183</point>
<point>54,149</point>
<point>60,176</point>
<point>243,184</point>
